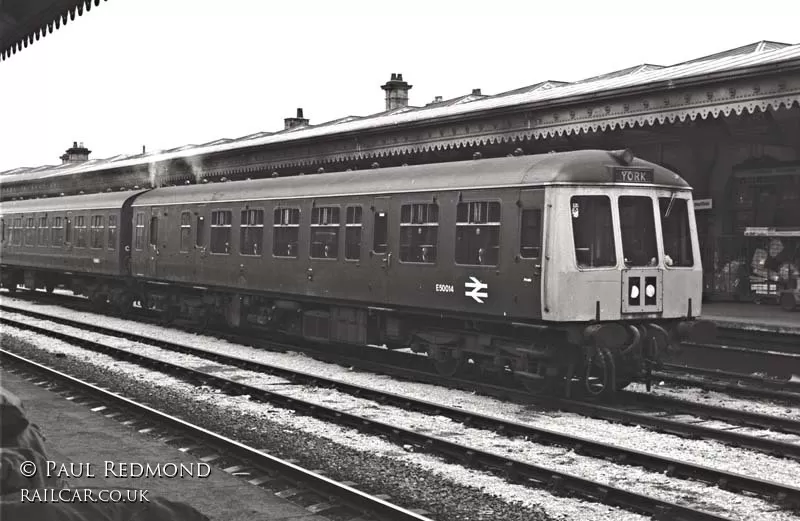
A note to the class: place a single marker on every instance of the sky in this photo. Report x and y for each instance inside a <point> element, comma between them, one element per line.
<point>165,73</point>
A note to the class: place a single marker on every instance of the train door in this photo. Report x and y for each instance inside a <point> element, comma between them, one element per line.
<point>154,242</point>
<point>529,257</point>
<point>186,256</point>
<point>199,250</point>
<point>380,252</point>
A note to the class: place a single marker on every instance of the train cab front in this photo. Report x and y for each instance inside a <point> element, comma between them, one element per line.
<point>626,270</point>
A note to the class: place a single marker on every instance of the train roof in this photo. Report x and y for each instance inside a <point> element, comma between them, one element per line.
<point>101,201</point>
<point>584,167</point>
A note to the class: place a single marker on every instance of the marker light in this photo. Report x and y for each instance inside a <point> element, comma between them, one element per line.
<point>650,290</point>
<point>635,292</point>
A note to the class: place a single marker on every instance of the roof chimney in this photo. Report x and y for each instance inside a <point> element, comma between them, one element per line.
<point>76,154</point>
<point>396,92</point>
<point>298,121</point>
<point>476,92</point>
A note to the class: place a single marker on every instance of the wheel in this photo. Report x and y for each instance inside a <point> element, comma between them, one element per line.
<point>449,366</point>
<point>788,301</point>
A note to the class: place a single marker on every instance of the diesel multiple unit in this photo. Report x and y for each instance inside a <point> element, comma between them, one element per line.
<point>565,267</point>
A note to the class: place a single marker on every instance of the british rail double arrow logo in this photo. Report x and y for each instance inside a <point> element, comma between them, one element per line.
<point>475,289</point>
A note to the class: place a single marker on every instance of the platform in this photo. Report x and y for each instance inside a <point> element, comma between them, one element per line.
<point>76,434</point>
<point>752,317</point>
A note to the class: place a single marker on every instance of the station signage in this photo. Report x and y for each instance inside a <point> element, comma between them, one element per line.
<point>703,204</point>
<point>633,175</point>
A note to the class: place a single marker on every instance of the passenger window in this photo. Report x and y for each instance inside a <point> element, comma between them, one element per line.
<point>380,235</point>
<point>352,233</point>
<point>637,223</point>
<point>67,230</point>
<point>221,232</point>
<point>186,231</point>
<point>16,237</point>
<point>57,233</point>
<point>200,238</point>
<point>138,237</point>
<point>530,234</point>
<point>478,233</point>
<point>419,227</point>
<point>286,232</point>
<point>43,232</point>
<point>593,231</point>
<point>676,232</point>
<point>154,231</point>
<point>324,233</point>
<point>2,230</point>
<point>80,231</point>
<point>251,232</point>
<point>112,232</point>
<point>30,232</point>
<point>97,231</point>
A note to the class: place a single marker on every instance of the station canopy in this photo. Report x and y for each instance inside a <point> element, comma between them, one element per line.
<point>22,22</point>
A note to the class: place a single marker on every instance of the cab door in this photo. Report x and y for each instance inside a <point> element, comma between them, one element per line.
<point>530,256</point>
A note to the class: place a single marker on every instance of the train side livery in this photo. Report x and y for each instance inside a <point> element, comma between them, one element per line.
<point>555,268</point>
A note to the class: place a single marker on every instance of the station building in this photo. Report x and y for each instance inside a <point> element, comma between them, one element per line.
<point>729,123</point>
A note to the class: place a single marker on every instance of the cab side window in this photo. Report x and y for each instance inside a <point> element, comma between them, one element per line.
<point>530,234</point>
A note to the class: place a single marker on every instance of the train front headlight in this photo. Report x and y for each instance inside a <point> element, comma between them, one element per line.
<point>650,291</point>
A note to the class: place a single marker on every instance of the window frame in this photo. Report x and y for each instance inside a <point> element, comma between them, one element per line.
<point>57,232</point>
<point>81,231</point>
<point>656,223</point>
<point>498,225</point>
<point>277,226</point>
<point>16,232</point>
<point>320,211</point>
<point>212,227</point>
<point>246,226</point>
<point>97,231</point>
<point>689,222</point>
<point>138,231</point>
<point>182,229</point>
<point>540,237</point>
<point>613,209</point>
<point>112,237</point>
<point>42,232</point>
<point>353,226</point>
<point>29,236</point>
<point>412,224</point>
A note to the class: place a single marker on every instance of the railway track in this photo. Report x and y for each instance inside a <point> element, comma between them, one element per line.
<point>633,409</point>
<point>730,382</point>
<point>321,494</point>
<point>774,350</point>
<point>782,494</point>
